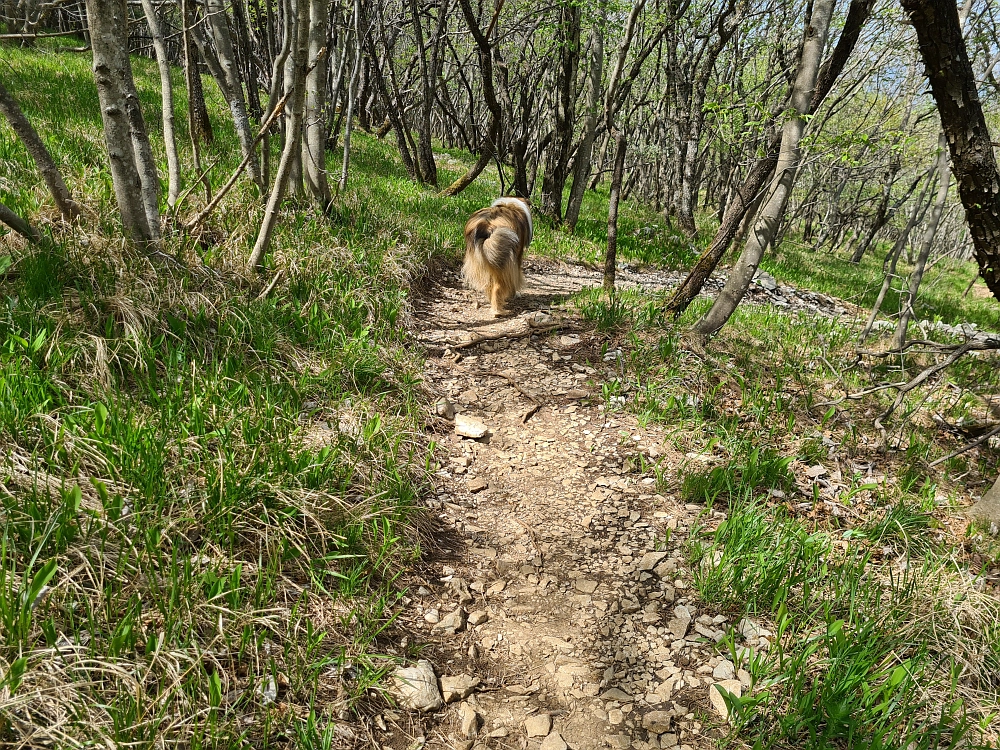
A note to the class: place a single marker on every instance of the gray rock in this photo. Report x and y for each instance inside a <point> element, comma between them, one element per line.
<point>657,721</point>
<point>650,560</point>
<point>668,740</point>
<point>680,622</point>
<point>445,408</point>
<point>614,694</point>
<point>987,510</point>
<point>479,617</point>
<point>461,590</point>
<point>451,623</point>
<point>725,670</point>
<point>619,741</point>
<point>416,687</point>
<point>469,720</point>
<point>766,280</point>
<point>587,587</point>
<point>554,742</point>
<point>469,427</point>
<point>477,485</point>
<point>538,725</point>
<point>458,687</point>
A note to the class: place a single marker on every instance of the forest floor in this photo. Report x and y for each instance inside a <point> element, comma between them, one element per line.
<point>561,604</point>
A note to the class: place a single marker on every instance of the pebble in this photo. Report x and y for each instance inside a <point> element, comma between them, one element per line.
<point>479,617</point>
<point>554,742</point>
<point>731,686</point>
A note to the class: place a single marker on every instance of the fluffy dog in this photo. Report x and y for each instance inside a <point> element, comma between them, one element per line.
<point>495,240</point>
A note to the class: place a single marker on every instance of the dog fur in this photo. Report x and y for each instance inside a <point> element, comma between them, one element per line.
<point>495,241</point>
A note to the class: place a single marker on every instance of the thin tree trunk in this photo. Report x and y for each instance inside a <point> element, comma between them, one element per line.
<point>199,123</point>
<point>19,225</point>
<point>219,23</point>
<point>582,163</point>
<point>296,103</point>
<point>68,207</point>
<point>167,97</point>
<point>314,138</point>
<point>889,266</point>
<point>352,93</point>
<point>490,144</point>
<point>563,115</point>
<point>424,150</point>
<point>773,209</point>
<point>611,254</point>
<point>857,16</point>
<point>108,24</point>
<point>917,275</point>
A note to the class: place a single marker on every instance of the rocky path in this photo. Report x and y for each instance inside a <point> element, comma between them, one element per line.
<point>561,613</point>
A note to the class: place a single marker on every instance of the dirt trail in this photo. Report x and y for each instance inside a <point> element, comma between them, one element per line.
<point>562,551</point>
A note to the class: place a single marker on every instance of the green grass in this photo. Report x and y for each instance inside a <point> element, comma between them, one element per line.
<point>206,498</point>
<point>940,296</point>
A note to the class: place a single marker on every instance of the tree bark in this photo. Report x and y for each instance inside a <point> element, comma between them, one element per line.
<point>296,103</point>
<point>199,123</point>
<point>582,163</point>
<point>107,21</point>
<point>19,225</point>
<point>953,84</point>
<point>744,197</point>
<point>489,145</point>
<point>926,242</point>
<point>23,129</point>
<point>218,21</point>
<point>167,98</point>
<point>611,254</point>
<point>563,114</point>
<point>352,93</point>
<point>314,137</point>
<point>773,209</point>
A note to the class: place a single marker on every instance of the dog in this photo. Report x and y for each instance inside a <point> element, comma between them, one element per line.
<point>495,241</point>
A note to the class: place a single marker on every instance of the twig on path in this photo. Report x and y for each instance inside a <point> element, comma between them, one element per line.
<point>530,413</point>
<point>967,447</point>
<point>508,335</point>
<point>514,384</point>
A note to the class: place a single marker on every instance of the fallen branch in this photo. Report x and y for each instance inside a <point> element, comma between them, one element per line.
<point>270,287</point>
<point>514,384</point>
<point>508,335</point>
<point>530,413</point>
<point>968,447</point>
<point>928,372</point>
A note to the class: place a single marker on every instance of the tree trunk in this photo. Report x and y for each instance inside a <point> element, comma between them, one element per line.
<point>107,21</point>
<point>425,149</point>
<point>167,98</point>
<point>946,60</point>
<point>857,16</point>
<point>563,115</point>
<point>296,103</point>
<point>352,92</point>
<point>582,163</point>
<point>492,140</point>
<point>611,255</point>
<point>199,124</point>
<point>23,129</point>
<point>219,23</point>
<point>314,137</point>
<point>773,209</point>
<point>889,265</point>
<point>926,242</point>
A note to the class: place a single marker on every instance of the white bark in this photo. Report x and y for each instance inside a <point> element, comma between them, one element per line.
<point>773,208</point>
<point>167,97</point>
